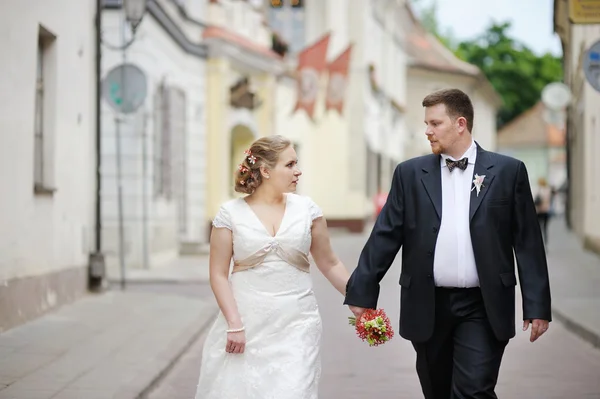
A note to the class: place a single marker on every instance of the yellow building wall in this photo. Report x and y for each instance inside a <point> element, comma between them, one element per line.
<point>217,139</point>
<point>323,154</point>
<point>227,139</point>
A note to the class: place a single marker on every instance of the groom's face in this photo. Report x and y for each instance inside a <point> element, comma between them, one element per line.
<point>441,130</point>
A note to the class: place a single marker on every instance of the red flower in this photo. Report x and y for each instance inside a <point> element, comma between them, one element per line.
<point>374,327</point>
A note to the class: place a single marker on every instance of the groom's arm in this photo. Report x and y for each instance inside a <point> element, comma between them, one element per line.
<point>380,250</point>
<point>529,250</point>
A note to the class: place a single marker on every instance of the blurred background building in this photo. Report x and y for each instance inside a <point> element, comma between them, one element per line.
<point>349,130</point>
<point>540,144</point>
<point>432,66</point>
<point>163,143</point>
<point>241,74</point>
<point>579,28</point>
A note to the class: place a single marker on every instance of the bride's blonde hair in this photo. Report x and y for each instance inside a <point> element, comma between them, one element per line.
<point>263,152</point>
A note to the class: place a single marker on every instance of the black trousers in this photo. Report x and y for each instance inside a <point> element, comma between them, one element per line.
<point>462,358</point>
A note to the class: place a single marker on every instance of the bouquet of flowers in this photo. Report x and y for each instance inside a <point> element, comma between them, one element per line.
<point>374,327</point>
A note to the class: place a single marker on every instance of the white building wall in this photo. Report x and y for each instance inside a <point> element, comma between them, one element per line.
<point>484,126</point>
<point>384,125</point>
<point>368,121</point>
<point>583,135</point>
<point>163,62</point>
<point>40,234</point>
<point>590,189</point>
<point>337,23</point>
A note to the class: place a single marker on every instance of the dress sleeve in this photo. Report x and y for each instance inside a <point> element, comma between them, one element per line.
<point>223,219</point>
<point>313,208</point>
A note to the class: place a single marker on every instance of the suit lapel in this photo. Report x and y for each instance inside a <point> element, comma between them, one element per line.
<point>432,180</point>
<point>483,166</point>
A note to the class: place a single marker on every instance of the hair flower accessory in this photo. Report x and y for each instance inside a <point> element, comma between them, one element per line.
<point>242,168</point>
<point>251,158</point>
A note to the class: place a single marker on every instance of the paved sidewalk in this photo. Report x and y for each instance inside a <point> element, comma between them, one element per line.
<point>185,269</point>
<point>111,345</point>
<point>574,282</point>
<point>117,344</point>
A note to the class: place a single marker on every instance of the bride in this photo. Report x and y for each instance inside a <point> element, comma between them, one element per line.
<point>265,342</point>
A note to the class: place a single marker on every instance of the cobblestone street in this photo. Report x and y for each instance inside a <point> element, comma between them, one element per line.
<point>558,366</point>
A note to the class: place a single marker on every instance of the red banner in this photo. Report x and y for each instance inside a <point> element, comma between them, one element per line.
<point>312,61</point>
<point>338,81</point>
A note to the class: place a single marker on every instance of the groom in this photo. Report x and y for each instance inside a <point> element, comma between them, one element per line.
<point>458,214</point>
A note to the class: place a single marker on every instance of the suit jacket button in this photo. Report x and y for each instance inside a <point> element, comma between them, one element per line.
<point>429,276</point>
<point>435,229</point>
<point>429,253</point>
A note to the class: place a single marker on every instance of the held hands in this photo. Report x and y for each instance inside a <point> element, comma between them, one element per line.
<point>358,311</point>
<point>538,327</point>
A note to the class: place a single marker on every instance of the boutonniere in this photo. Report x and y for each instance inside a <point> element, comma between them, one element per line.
<point>478,183</point>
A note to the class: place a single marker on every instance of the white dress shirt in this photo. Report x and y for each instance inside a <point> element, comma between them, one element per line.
<point>454,262</point>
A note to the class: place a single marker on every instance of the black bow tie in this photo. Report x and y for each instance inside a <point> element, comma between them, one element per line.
<point>461,164</point>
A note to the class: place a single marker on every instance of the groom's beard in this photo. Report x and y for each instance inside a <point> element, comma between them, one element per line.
<point>436,148</point>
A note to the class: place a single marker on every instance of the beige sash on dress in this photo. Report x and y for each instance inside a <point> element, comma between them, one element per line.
<point>290,255</point>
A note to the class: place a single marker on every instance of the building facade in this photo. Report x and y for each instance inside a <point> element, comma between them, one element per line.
<point>433,67</point>
<point>538,141</point>
<point>346,157</point>
<point>47,154</point>
<point>163,143</point>
<point>240,89</point>
<point>583,127</point>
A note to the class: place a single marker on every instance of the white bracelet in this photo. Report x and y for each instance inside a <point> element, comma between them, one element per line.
<point>234,330</point>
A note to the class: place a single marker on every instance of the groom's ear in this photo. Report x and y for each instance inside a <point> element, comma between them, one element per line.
<point>461,123</point>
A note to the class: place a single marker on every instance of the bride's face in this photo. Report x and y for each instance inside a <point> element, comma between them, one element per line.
<point>284,177</point>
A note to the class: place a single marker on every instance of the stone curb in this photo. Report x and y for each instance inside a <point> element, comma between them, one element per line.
<point>159,280</point>
<point>577,328</point>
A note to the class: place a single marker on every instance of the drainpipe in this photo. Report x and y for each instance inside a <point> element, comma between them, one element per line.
<point>96,266</point>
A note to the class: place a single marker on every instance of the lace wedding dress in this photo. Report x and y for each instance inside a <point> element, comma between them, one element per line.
<point>273,291</point>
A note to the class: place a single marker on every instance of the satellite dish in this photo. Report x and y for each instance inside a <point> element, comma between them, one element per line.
<point>556,95</point>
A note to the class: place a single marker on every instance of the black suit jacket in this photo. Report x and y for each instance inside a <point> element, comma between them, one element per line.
<point>502,219</point>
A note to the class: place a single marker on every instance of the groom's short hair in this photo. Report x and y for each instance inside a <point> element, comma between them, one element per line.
<point>457,104</point>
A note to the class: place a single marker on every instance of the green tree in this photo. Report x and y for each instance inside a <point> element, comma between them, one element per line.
<point>517,74</point>
<point>428,16</point>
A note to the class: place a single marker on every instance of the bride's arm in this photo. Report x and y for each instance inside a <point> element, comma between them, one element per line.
<point>221,251</point>
<point>327,261</point>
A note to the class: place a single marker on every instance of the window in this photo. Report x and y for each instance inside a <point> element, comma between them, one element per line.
<point>288,22</point>
<point>178,116</point>
<point>170,157</point>
<point>39,117</point>
<point>162,153</point>
<point>43,153</point>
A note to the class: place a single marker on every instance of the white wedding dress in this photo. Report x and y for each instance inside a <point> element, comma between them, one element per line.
<point>273,291</point>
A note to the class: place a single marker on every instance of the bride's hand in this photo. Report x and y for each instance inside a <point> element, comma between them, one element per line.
<point>236,342</point>
<point>358,311</point>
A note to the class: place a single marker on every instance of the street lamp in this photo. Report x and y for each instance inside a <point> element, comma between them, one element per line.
<point>134,12</point>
